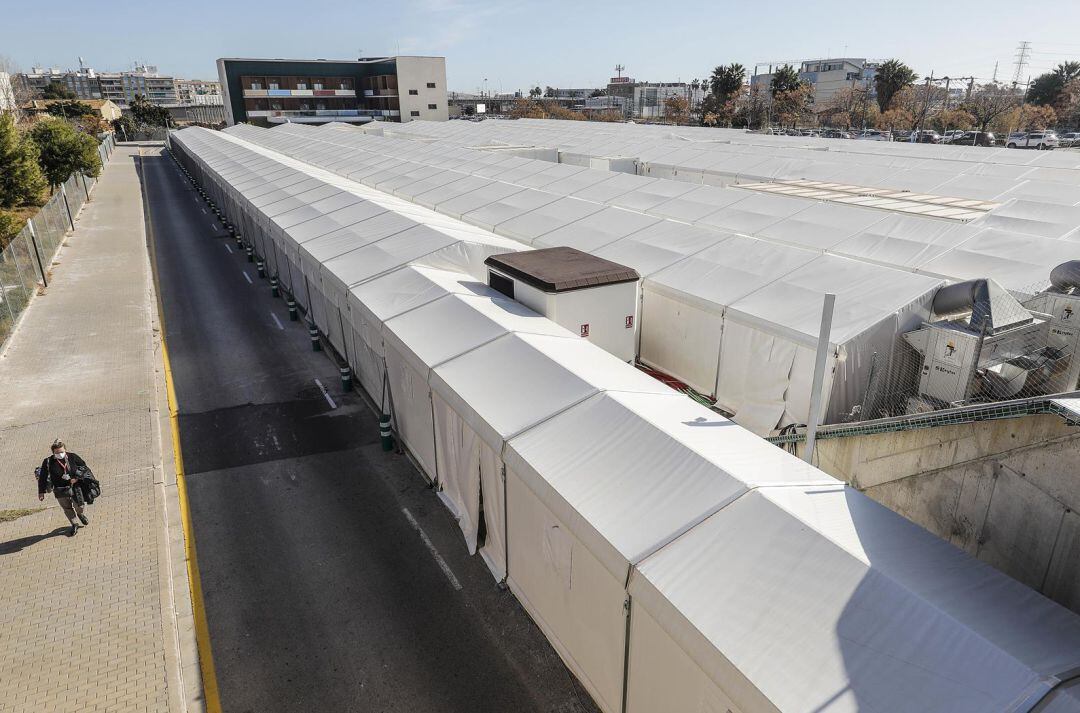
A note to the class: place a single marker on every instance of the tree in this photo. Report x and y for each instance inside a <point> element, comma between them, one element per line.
<point>751,107</point>
<point>549,92</point>
<point>726,81</point>
<point>535,92</point>
<point>70,109</point>
<point>1050,89</point>
<point>891,77</point>
<point>785,79</point>
<point>596,93</point>
<point>146,113</point>
<point>56,90</point>
<point>1029,117</point>
<point>63,151</point>
<point>990,102</point>
<point>21,181</point>
<point>10,225</point>
<point>896,119</point>
<point>677,109</point>
<point>790,105</point>
<point>952,119</point>
<point>527,109</point>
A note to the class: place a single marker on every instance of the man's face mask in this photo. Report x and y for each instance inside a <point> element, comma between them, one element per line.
<point>60,455</point>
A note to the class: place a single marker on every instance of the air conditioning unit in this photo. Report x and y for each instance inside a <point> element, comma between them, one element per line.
<point>1061,301</point>
<point>982,344</point>
<point>592,297</point>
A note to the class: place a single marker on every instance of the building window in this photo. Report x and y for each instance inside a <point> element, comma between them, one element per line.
<point>432,106</point>
<point>273,85</point>
<point>414,113</point>
<point>413,92</point>
<point>301,85</point>
<point>316,86</point>
<point>431,85</point>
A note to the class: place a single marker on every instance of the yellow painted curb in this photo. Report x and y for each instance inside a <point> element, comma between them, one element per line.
<point>202,630</point>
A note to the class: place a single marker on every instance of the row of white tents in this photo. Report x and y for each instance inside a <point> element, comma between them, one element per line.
<point>733,279</point>
<point>733,314</point>
<point>674,560</point>
<point>722,157</point>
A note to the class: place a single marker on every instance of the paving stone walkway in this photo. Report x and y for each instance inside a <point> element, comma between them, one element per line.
<point>89,623</point>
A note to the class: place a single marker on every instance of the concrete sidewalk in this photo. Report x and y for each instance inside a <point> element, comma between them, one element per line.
<point>101,621</point>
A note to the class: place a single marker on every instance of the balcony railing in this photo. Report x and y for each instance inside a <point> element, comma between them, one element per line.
<point>314,112</point>
<point>260,93</point>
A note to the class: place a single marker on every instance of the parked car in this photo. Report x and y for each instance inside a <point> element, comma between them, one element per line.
<point>972,138</point>
<point>952,135</point>
<point>926,136</point>
<point>1042,140</point>
<point>835,134</point>
<point>1072,138</point>
<point>872,135</point>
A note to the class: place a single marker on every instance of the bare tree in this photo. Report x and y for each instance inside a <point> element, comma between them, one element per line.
<point>989,103</point>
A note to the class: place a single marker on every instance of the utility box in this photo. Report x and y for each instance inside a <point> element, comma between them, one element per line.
<point>983,344</point>
<point>592,297</point>
<point>1064,311</point>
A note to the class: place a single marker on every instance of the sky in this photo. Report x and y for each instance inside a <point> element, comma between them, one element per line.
<point>515,44</point>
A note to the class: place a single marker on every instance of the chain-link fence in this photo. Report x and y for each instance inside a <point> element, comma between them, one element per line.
<point>25,261</point>
<point>981,344</point>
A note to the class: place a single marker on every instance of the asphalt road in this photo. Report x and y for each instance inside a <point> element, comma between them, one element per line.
<point>321,594</point>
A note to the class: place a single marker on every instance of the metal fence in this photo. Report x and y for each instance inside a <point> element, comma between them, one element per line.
<point>25,261</point>
<point>996,346</point>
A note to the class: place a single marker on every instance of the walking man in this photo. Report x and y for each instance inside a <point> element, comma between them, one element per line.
<point>59,472</point>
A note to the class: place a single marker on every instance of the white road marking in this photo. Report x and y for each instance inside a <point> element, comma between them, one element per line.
<point>228,248</point>
<point>203,210</point>
<point>277,321</point>
<point>431,548</point>
<point>247,278</point>
<point>213,226</point>
<point>326,394</point>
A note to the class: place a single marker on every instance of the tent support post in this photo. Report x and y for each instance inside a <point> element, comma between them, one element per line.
<point>819,375</point>
<point>627,608</point>
<point>506,531</point>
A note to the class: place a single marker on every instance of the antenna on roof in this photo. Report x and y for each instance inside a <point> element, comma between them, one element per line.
<point>619,70</point>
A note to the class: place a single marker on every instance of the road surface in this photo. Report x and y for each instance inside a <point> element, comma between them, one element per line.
<point>321,590</point>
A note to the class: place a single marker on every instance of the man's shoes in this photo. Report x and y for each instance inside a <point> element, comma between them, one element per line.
<point>73,530</point>
<point>84,519</point>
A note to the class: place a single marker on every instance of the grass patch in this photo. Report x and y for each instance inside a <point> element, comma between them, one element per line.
<point>9,515</point>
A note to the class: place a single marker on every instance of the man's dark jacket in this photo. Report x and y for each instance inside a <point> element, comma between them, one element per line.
<point>53,473</point>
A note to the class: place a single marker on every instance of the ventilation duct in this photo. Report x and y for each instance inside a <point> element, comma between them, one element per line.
<point>1066,276</point>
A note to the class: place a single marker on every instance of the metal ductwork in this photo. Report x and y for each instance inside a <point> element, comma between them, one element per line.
<point>1066,276</point>
<point>972,296</point>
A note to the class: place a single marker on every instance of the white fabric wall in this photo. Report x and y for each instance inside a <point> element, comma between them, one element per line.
<point>680,338</point>
<point>663,678</point>
<point>412,409</point>
<point>457,455</point>
<point>572,597</point>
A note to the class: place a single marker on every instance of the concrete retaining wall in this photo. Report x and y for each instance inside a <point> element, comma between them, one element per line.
<point>1006,491</point>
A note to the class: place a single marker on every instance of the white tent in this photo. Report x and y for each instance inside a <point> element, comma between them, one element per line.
<point>754,581</point>
<point>819,599</point>
<point>602,485</point>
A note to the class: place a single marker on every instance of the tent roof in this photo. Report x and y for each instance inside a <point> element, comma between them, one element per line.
<point>629,472</point>
<point>823,600</point>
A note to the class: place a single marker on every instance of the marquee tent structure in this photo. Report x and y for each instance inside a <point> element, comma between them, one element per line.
<point>673,559</point>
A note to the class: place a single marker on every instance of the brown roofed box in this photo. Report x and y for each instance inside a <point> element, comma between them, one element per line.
<point>561,269</point>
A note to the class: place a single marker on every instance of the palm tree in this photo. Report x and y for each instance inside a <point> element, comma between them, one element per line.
<point>726,81</point>
<point>891,77</point>
<point>784,79</point>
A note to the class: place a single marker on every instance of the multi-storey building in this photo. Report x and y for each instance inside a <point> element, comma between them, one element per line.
<point>120,88</point>
<point>826,76</point>
<point>198,91</point>
<point>274,91</point>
